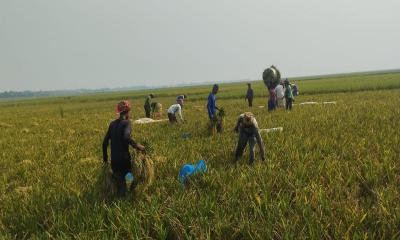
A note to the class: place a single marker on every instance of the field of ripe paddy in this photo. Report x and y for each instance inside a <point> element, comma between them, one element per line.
<point>332,173</point>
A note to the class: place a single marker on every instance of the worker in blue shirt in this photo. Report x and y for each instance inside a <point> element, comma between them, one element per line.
<point>215,124</point>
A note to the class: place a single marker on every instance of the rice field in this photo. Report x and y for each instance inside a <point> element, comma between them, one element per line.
<point>332,173</point>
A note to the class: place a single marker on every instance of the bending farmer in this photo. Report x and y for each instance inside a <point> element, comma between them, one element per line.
<point>175,109</point>
<point>248,132</point>
<point>119,132</point>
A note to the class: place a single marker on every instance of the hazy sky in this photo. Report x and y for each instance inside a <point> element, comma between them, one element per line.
<point>54,44</point>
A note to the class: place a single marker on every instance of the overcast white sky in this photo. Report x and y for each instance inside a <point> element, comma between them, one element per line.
<point>54,44</point>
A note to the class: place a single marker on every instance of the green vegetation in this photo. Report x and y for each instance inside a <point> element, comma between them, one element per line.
<point>332,173</point>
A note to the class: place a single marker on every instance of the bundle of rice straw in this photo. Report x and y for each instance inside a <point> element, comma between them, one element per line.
<point>271,77</point>
<point>143,170</point>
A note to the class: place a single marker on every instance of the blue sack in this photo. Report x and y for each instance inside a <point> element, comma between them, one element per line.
<point>189,169</point>
<point>129,178</point>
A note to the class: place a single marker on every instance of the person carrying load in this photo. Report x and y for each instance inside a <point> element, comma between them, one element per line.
<point>119,132</point>
<point>248,130</point>
<point>147,105</point>
<point>175,109</point>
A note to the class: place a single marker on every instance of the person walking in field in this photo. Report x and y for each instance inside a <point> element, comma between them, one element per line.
<point>248,130</point>
<point>280,95</point>
<point>147,105</point>
<point>119,132</point>
<point>211,109</point>
<point>249,95</point>
<point>288,95</point>
<point>174,110</point>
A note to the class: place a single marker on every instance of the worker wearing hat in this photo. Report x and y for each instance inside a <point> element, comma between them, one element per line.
<point>119,132</point>
<point>247,128</point>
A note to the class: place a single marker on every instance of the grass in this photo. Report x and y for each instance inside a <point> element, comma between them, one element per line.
<point>332,173</point>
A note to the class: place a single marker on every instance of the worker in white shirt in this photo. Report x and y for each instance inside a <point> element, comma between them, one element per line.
<point>280,95</point>
<point>174,110</point>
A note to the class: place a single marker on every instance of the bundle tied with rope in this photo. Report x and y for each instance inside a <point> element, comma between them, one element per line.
<point>271,77</point>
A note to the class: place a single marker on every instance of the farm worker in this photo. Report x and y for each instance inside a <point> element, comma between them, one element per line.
<point>280,95</point>
<point>211,103</point>
<point>248,132</point>
<point>249,95</point>
<point>175,109</point>
<point>288,95</point>
<point>295,90</point>
<point>183,97</point>
<point>272,99</point>
<point>119,132</point>
<point>147,105</point>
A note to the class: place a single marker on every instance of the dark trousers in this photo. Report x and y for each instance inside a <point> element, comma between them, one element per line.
<point>119,180</point>
<point>147,110</point>
<point>243,139</point>
<point>119,170</point>
<point>250,102</point>
<point>289,102</point>
<point>271,105</point>
<point>172,118</point>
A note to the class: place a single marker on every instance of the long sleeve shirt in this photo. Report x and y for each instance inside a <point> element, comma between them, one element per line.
<point>176,109</point>
<point>119,132</point>
<point>211,105</point>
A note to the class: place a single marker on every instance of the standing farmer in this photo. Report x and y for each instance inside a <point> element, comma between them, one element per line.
<point>249,95</point>
<point>175,109</point>
<point>288,95</point>
<point>212,107</point>
<point>248,132</point>
<point>280,95</point>
<point>147,105</point>
<point>119,132</point>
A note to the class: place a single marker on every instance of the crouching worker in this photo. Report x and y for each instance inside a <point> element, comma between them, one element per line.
<point>119,132</point>
<point>248,132</point>
<point>175,109</point>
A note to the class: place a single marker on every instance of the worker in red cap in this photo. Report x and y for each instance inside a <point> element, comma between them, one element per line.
<point>119,132</point>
